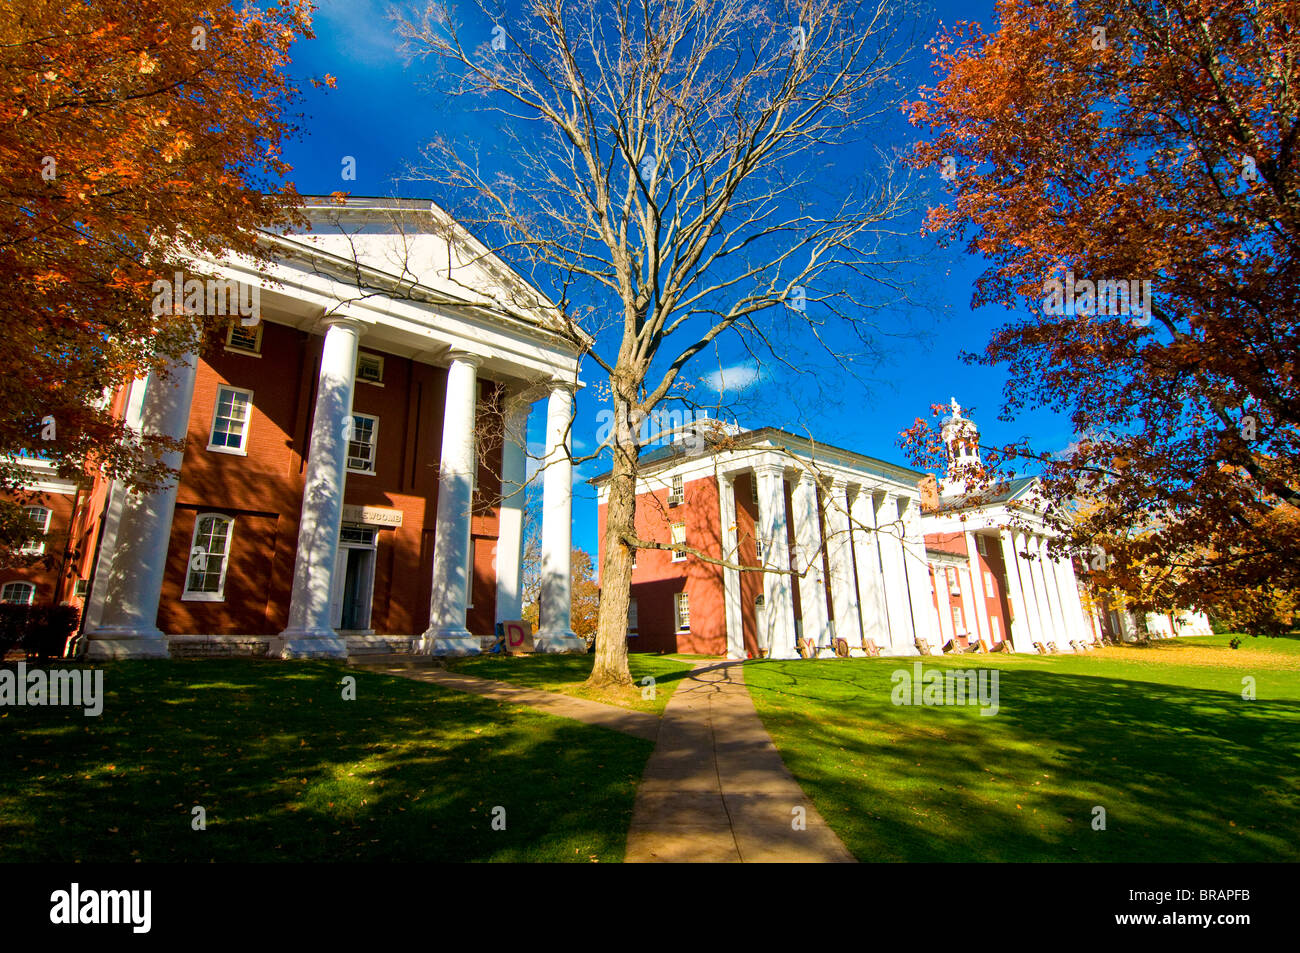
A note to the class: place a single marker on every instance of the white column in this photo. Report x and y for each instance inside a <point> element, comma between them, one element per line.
<point>924,617</point>
<point>902,636</point>
<point>730,577</point>
<point>870,574</point>
<point>778,614</point>
<point>943,595</point>
<point>1054,608</point>
<point>510,516</point>
<point>116,499</point>
<point>978,596</point>
<point>310,633</point>
<point>968,596</point>
<point>1019,629</point>
<point>128,620</point>
<point>844,587</point>
<point>808,544</point>
<point>1034,569</point>
<point>447,634</point>
<point>1071,599</point>
<point>555,629</point>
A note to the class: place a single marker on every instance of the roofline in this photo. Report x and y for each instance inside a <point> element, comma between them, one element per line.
<point>1013,499</point>
<point>358,205</point>
<point>752,436</point>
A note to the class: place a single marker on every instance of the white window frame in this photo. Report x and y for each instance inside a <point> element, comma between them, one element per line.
<point>633,618</point>
<point>996,626</point>
<point>374,445</point>
<point>753,489</point>
<point>242,449</point>
<point>31,593</point>
<point>681,599</point>
<point>990,591</point>
<point>679,555</point>
<point>677,492</point>
<point>255,351</point>
<point>190,595</point>
<point>758,550</point>
<point>377,357</point>
<point>958,620</point>
<point>981,546</point>
<point>32,547</point>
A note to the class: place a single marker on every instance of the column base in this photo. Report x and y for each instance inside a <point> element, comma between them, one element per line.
<point>559,640</point>
<point>125,642</point>
<point>449,641</point>
<point>308,643</point>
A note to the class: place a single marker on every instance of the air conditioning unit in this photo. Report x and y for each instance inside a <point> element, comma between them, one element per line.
<point>675,499</point>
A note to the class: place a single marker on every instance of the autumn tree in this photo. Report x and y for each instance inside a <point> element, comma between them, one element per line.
<point>665,187</point>
<point>136,136</point>
<point>1131,172</point>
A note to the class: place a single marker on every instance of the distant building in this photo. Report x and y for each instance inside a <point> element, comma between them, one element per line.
<point>994,576</point>
<point>856,549</point>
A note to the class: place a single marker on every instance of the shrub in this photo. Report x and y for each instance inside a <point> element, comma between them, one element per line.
<point>42,631</point>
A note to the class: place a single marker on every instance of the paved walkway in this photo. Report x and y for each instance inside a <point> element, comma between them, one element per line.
<point>716,789</point>
<point>638,723</point>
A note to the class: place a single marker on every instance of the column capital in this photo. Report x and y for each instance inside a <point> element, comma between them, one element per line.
<point>560,383</point>
<point>464,357</point>
<point>768,469</point>
<point>343,321</point>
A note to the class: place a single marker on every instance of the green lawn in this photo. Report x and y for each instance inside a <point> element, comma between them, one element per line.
<point>566,673</point>
<point>1160,737</point>
<point>288,770</point>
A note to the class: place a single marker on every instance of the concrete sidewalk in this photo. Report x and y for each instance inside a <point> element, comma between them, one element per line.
<point>716,789</point>
<point>638,723</point>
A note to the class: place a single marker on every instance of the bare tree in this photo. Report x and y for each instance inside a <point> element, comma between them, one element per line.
<point>667,187</point>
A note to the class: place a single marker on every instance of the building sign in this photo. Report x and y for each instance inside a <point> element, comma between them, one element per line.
<point>373,516</point>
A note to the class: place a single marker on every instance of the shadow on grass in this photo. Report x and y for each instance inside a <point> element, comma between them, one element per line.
<point>1183,773</point>
<point>286,769</point>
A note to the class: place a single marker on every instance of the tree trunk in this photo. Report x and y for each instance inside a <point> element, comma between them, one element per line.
<point>610,668</point>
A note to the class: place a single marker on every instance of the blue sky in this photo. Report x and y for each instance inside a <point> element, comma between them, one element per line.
<point>381,113</point>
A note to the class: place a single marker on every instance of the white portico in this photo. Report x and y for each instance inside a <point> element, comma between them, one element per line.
<point>972,528</point>
<point>823,544</point>
<point>396,278</point>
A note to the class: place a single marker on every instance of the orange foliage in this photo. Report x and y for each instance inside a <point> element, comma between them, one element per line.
<point>1142,141</point>
<point>133,134</point>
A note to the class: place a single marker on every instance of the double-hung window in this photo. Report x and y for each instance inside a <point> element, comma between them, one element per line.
<point>205,574</point>
<point>230,420</point>
<point>682,610</point>
<point>40,520</point>
<point>362,443</point>
<point>631,617</point>
<point>679,538</point>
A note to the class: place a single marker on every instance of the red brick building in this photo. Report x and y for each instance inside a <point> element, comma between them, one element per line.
<point>838,532</point>
<point>354,458</point>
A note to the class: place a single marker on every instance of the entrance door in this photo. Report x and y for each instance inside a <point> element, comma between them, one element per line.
<point>357,580</point>
<point>354,580</point>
